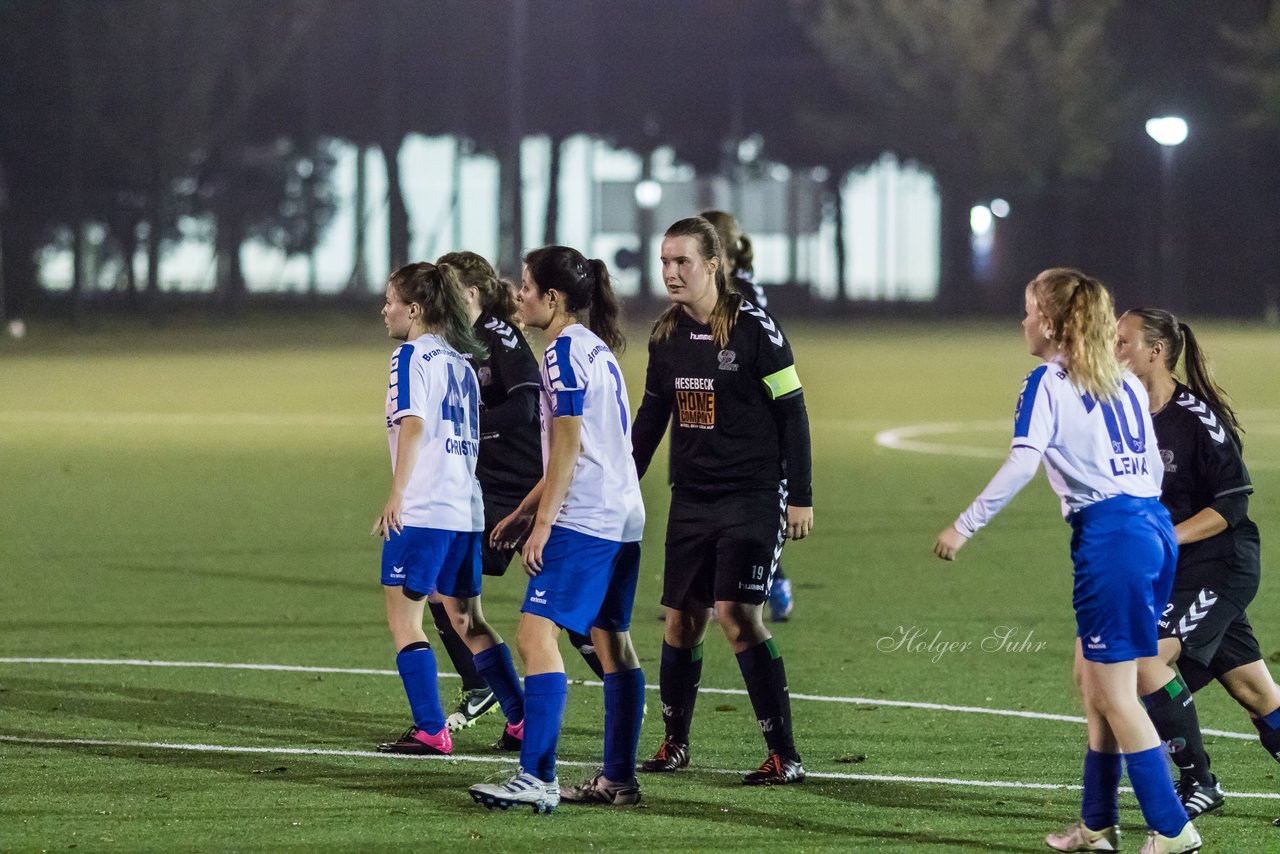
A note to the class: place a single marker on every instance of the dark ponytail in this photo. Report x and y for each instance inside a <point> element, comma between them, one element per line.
<point>1201,381</point>
<point>1160,326</point>
<point>585,287</point>
<point>605,311</point>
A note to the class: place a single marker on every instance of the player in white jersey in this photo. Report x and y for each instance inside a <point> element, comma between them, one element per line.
<point>1087,419</point>
<point>432,520</point>
<point>583,549</point>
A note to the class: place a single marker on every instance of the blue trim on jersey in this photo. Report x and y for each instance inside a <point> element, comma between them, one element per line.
<point>405,356</point>
<point>570,402</point>
<point>1027,402</point>
<point>563,363</point>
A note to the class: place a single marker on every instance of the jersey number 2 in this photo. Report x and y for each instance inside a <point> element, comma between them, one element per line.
<point>455,407</point>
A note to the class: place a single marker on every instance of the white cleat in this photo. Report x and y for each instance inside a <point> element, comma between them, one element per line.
<point>523,789</point>
<point>1186,842</point>
<point>1078,837</point>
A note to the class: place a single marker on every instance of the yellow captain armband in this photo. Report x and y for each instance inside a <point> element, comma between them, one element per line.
<point>783,382</point>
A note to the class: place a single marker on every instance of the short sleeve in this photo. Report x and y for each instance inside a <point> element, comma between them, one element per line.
<point>1033,416</point>
<point>407,383</point>
<point>775,365</point>
<point>564,380</point>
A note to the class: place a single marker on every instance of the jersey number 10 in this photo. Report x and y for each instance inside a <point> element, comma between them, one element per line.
<point>460,398</point>
<point>1117,422</point>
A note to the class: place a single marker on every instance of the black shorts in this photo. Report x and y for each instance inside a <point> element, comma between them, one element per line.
<point>496,508</point>
<point>1214,630</point>
<point>722,548</point>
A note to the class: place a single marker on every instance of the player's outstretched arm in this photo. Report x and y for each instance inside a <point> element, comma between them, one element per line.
<point>515,525</point>
<point>949,542</point>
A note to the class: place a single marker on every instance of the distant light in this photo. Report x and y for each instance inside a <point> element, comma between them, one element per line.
<point>749,149</point>
<point>648,194</point>
<point>980,220</point>
<point>779,172</point>
<point>1167,130</point>
<point>1000,208</point>
<point>820,174</point>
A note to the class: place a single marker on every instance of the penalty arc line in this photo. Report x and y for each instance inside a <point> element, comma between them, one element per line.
<point>499,760</point>
<point>737,692</point>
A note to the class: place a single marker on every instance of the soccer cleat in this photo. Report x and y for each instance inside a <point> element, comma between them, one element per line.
<point>781,602</point>
<point>472,705</point>
<point>1186,842</point>
<point>671,756</point>
<point>1198,799</point>
<point>598,790</point>
<point>776,770</point>
<point>512,737</point>
<point>1078,837</point>
<point>522,790</point>
<point>419,743</point>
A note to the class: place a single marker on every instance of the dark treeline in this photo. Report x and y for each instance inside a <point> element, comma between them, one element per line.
<point>133,115</point>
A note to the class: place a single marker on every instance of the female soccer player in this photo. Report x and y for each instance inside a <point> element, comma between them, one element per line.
<point>1088,420</point>
<point>1206,490</point>
<point>583,550</point>
<point>432,519</point>
<point>737,257</point>
<point>740,483</point>
<point>509,465</point>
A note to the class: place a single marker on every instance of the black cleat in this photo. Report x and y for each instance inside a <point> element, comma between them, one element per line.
<point>472,705</point>
<point>1198,799</point>
<point>512,738</point>
<point>671,756</point>
<point>777,770</point>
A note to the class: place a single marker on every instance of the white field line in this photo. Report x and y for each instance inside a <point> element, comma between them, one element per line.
<point>911,438</point>
<point>737,692</point>
<point>188,419</point>
<point>503,760</point>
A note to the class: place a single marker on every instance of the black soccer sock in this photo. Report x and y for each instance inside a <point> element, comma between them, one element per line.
<point>587,648</point>
<point>1173,711</point>
<point>1268,728</point>
<point>459,653</point>
<point>678,679</point>
<point>766,679</point>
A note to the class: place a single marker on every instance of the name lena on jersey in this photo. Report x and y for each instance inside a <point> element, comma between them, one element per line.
<point>1128,465</point>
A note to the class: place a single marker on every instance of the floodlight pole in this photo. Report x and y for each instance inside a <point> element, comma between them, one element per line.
<point>1169,132</point>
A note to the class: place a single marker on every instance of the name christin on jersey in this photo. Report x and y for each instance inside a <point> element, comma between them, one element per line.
<point>462,447</point>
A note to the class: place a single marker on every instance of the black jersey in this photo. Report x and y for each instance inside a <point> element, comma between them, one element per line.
<point>1203,468</point>
<point>510,460</point>
<point>737,412</point>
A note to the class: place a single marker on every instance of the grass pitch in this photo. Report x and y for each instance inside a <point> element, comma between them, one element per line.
<point>204,494</point>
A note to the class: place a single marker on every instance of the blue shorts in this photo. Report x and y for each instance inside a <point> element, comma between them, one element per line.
<point>1125,554</point>
<point>585,581</point>
<point>424,560</point>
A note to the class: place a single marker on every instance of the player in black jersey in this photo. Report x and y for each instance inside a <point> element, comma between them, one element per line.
<point>1206,489</point>
<point>721,371</point>
<point>510,461</point>
<point>738,259</point>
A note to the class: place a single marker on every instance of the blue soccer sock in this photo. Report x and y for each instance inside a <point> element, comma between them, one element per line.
<point>544,698</point>
<point>623,712</point>
<point>1149,774</point>
<point>1099,803</point>
<point>1268,727</point>
<point>417,666</point>
<point>495,666</point>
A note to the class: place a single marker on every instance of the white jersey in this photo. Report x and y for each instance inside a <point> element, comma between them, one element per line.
<point>580,376</point>
<point>433,381</point>
<point>1093,450</point>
